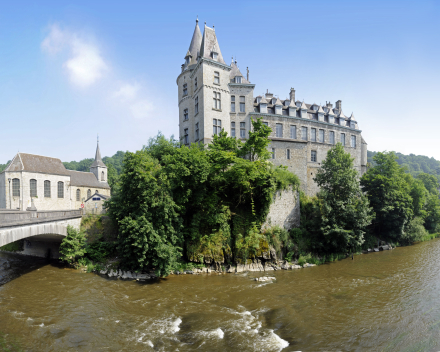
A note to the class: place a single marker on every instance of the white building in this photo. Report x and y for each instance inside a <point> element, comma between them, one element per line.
<point>48,184</point>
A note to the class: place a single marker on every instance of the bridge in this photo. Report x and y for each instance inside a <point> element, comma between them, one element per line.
<point>41,230</point>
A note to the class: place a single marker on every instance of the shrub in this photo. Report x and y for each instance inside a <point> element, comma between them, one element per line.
<point>73,246</point>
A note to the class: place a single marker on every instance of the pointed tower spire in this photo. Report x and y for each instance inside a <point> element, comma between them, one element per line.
<point>98,160</point>
<point>196,42</point>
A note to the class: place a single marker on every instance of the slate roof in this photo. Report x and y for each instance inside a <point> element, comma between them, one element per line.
<point>97,194</point>
<point>98,160</point>
<point>236,72</point>
<point>196,42</point>
<point>209,42</point>
<point>37,163</point>
<point>85,179</point>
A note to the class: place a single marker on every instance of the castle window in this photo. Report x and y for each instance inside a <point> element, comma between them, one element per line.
<point>288,154</point>
<point>263,108</point>
<point>89,193</point>
<point>242,129</point>
<point>196,107</point>
<point>60,189</point>
<point>217,101</point>
<point>293,132</point>
<point>195,83</point>
<point>102,176</point>
<point>265,123</point>
<point>279,130</point>
<point>332,137</point>
<point>232,103</point>
<point>216,77</point>
<point>313,136</point>
<point>352,124</point>
<point>326,118</point>
<point>343,139</point>
<point>78,195</point>
<point>237,79</point>
<point>232,129</point>
<point>273,153</point>
<point>313,156</point>
<point>217,126</point>
<point>353,141</point>
<point>33,187</point>
<point>197,131</point>
<point>47,189</point>
<point>321,136</point>
<point>185,89</point>
<point>15,187</point>
<point>337,120</point>
<point>185,136</point>
<point>304,133</point>
<point>96,191</point>
<point>185,114</point>
<point>214,56</point>
<point>242,104</point>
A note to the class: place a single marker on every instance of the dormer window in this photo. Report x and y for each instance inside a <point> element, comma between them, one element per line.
<point>286,102</point>
<point>298,104</point>
<point>278,109</point>
<point>237,79</point>
<point>187,61</point>
<point>258,100</point>
<point>263,108</point>
<point>214,56</point>
<point>315,107</point>
<point>352,124</point>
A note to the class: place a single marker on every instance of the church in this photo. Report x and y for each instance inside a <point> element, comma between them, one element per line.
<point>214,95</point>
<point>35,182</point>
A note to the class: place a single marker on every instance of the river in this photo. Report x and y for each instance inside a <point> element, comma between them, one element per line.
<point>387,301</point>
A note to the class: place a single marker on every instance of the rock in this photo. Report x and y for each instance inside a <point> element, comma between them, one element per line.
<point>273,254</point>
<point>286,265</point>
<point>265,255</point>
<point>265,278</point>
<point>294,266</point>
<point>230,269</point>
<point>365,251</point>
<point>103,272</point>
<point>127,275</point>
<point>142,277</point>
<point>268,267</point>
<point>307,265</point>
<point>112,273</point>
<point>376,249</point>
<point>384,248</point>
<point>189,272</point>
<point>240,268</point>
<point>208,270</point>
<point>120,273</point>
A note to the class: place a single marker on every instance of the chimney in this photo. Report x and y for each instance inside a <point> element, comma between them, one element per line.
<point>329,105</point>
<point>247,74</point>
<point>292,95</point>
<point>339,105</point>
<point>268,95</point>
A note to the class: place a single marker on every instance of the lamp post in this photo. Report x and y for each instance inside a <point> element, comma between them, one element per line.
<point>10,201</point>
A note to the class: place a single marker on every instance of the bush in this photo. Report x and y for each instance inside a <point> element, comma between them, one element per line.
<point>100,251</point>
<point>415,231</point>
<point>16,246</point>
<point>73,246</point>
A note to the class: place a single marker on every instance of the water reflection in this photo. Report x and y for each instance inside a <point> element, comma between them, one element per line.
<point>383,301</point>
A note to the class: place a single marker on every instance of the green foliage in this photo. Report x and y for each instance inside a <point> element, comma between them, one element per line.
<point>430,182</point>
<point>73,246</point>
<point>389,194</point>
<point>3,166</point>
<point>413,164</point>
<point>345,212</point>
<point>415,231</point>
<point>99,252</point>
<point>16,246</point>
<point>279,238</point>
<point>256,145</point>
<point>190,201</point>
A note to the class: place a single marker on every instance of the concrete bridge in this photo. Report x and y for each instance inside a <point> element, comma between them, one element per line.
<point>42,231</point>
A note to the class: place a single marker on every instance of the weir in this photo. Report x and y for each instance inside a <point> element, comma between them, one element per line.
<point>42,231</point>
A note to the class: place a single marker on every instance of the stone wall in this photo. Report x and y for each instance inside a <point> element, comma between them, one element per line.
<point>83,194</point>
<point>284,210</point>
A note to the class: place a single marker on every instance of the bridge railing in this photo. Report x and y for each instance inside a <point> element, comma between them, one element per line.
<point>14,217</point>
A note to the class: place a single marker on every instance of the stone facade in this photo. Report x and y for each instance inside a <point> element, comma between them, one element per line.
<point>284,210</point>
<point>205,74</point>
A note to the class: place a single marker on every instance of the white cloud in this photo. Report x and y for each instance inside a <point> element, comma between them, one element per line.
<point>141,109</point>
<point>128,92</point>
<point>129,95</point>
<point>85,65</point>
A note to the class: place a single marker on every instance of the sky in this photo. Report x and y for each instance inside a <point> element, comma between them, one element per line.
<point>69,72</point>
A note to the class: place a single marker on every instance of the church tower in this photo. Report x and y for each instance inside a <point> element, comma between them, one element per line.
<point>98,168</point>
<point>203,89</point>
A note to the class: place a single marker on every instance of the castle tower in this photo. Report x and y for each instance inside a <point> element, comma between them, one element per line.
<point>98,168</point>
<point>203,85</point>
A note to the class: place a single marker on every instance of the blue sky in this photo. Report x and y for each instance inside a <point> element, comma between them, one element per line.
<point>70,71</point>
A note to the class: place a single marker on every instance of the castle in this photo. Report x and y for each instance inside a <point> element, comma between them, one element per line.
<point>213,96</point>
<point>35,182</point>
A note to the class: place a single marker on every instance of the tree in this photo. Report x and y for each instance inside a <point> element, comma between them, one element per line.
<point>73,246</point>
<point>430,181</point>
<point>345,211</point>
<point>256,145</point>
<point>389,194</point>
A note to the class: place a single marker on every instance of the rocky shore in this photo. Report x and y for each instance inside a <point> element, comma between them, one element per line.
<point>239,268</point>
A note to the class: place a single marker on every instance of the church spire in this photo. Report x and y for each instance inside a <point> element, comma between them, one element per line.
<point>196,42</point>
<point>98,160</point>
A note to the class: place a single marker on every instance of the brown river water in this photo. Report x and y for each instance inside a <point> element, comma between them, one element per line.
<point>387,301</point>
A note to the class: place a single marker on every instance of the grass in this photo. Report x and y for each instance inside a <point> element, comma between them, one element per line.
<point>16,246</point>
<point>429,236</point>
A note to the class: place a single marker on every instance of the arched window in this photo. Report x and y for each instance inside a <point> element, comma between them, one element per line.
<point>89,193</point>
<point>47,189</point>
<point>60,189</point>
<point>15,187</point>
<point>33,187</point>
<point>96,191</point>
<point>78,195</point>
<point>102,176</point>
